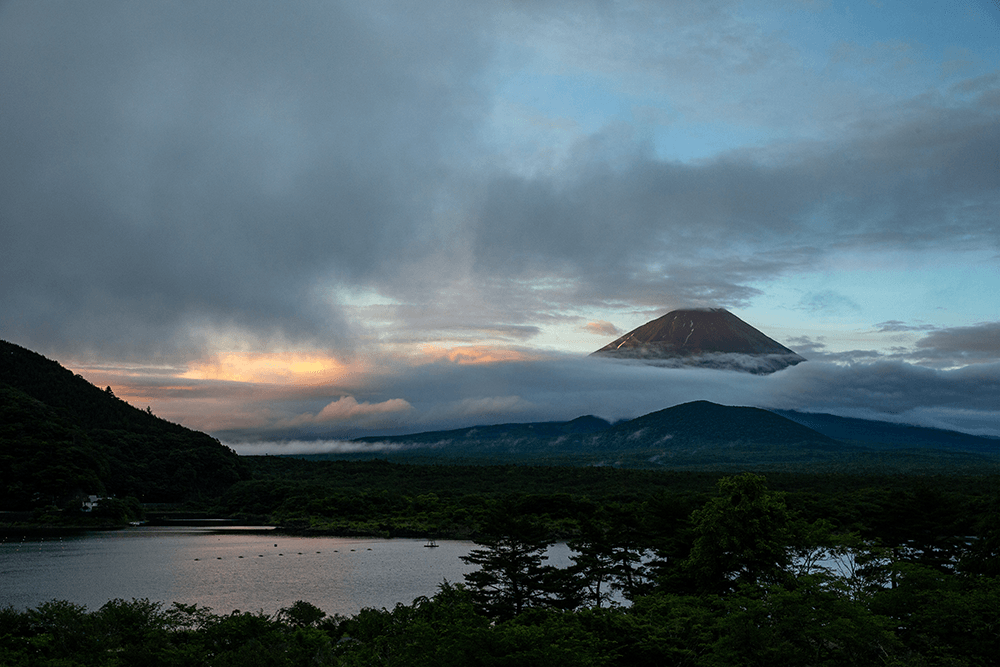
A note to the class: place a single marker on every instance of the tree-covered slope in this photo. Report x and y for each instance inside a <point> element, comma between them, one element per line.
<point>698,435</point>
<point>701,432</point>
<point>61,437</point>
<point>893,435</point>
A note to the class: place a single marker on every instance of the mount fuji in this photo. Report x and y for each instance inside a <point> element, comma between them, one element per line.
<point>705,338</point>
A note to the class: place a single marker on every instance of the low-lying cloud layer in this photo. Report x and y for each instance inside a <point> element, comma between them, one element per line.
<point>290,447</point>
<point>446,395</point>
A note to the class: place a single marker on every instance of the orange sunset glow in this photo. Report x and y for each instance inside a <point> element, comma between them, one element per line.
<point>474,354</point>
<point>266,368</point>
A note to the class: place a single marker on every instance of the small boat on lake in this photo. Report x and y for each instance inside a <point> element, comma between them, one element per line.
<point>431,543</point>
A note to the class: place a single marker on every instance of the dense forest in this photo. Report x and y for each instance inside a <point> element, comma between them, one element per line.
<point>745,579</point>
<point>384,499</point>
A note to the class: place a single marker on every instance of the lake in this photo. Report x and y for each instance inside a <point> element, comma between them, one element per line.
<point>228,568</point>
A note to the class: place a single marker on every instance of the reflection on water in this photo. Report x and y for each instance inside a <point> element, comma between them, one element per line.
<point>227,569</point>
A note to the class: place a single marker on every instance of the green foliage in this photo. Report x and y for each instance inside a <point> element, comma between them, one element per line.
<point>447,631</point>
<point>61,628</point>
<point>802,624</point>
<point>741,537</point>
<point>119,511</point>
<point>511,577</point>
<point>945,618</point>
<point>301,614</point>
<point>982,557</point>
<point>610,548</point>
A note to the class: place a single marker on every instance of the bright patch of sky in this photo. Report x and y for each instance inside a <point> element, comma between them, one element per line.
<point>841,303</point>
<point>846,300</point>
<point>835,50</point>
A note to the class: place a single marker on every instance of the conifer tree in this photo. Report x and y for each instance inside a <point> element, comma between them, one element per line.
<point>511,577</point>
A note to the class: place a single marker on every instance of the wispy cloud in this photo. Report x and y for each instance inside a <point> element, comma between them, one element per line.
<point>289,447</point>
<point>346,409</point>
<point>892,326</point>
<point>958,346</point>
<point>602,328</point>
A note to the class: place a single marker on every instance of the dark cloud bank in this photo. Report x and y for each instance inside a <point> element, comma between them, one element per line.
<point>177,174</point>
<point>179,171</point>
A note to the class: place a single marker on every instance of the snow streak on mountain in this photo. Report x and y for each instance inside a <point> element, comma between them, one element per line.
<point>709,338</point>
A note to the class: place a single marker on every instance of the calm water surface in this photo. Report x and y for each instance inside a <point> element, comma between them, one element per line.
<point>228,569</point>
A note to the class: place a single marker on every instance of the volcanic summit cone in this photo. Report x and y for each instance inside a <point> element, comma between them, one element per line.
<point>709,338</point>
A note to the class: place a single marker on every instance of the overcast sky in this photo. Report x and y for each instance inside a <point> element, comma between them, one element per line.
<point>321,219</point>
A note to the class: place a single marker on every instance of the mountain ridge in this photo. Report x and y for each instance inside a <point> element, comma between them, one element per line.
<point>892,433</point>
<point>692,435</point>
<point>62,438</point>
<point>685,434</point>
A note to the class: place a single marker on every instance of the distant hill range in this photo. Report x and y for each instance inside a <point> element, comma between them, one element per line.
<point>890,435</point>
<point>701,436</point>
<point>62,438</point>
<point>706,338</point>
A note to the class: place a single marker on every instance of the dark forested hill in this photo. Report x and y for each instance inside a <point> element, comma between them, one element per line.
<point>700,423</point>
<point>703,432</point>
<point>61,437</point>
<point>700,435</point>
<point>888,433</point>
<point>503,436</point>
